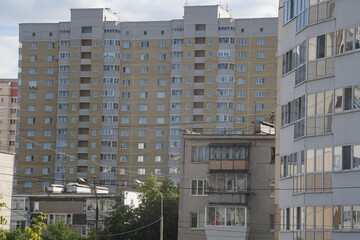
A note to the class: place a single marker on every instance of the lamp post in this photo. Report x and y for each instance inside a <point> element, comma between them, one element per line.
<point>93,187</point>
<point>162,207</point>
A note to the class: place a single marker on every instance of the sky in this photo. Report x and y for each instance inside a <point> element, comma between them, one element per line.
<point>13,12</point>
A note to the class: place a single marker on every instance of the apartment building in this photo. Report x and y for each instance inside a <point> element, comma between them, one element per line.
<point>79,213</point>
<point>227,187</point>
<point>106,99</point>
<point>319,140</point>
<point>8,117</point>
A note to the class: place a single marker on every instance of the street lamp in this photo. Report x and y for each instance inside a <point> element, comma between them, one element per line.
<point>93,187</point>
<point>162,206</point>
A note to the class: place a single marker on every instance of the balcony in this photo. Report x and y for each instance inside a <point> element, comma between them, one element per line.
<point>85,48</point>
<point>228,198</point>
<point>240,165</point>
<point>86,61</point>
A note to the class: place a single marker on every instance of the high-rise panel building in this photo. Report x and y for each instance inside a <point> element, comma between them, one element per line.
<point>8,116</point>
<point>108,100</point>
<point>319,140</point>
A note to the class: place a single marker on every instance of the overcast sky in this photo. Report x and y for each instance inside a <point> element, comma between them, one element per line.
<point>13,12</point>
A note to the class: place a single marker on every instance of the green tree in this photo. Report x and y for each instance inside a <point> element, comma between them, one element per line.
<point>16,234</point>
<point>58,231</point>
<point>121,220</point>
<point>37,227</point>
<point>124,218</point>
<point>2,219</point>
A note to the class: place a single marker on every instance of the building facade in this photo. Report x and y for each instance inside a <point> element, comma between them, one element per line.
<point>319,140</point>
<point>79,213</point>
<point>6,186</point>
<point>108,99</point>
<point>227,187</point>
<point>8,117</point>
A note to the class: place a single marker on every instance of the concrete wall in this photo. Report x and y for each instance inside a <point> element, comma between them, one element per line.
<point>6,185</point>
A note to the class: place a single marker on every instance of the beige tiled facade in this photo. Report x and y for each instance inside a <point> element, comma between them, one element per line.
<point>111,98</point>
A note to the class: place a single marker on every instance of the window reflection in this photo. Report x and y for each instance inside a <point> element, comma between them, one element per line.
<point>340,41</point>
<point>356,99</point>
<point>356,156</point>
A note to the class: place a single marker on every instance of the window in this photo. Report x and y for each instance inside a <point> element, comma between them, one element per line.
<point>260,54</point>
<point>198,187</point>
<point>161,56</point>
<point>200,27</point>
<point>33,46</point>
<point>240,106</point>
<point>144,44</point>
<point>31,120</point>
<point>259,107</point>
<point>162,44</point>
<point>31,108</point>
<point>242,42</point>
<point>161,69</point>
<point>141,171</point>
<point>259,94</point>
<point>176,92</point>
<point>28,171</point>
<point>143,94</point>
<point>141,145</point>
<point>178,41</point>
<point>33,58</point>
<point>342,157</point>
<point>160,120</point>
<point>143,82</point>
<point>260,80</point>
<point>158,159</point>
<point>19,204</point>
<point>160,94</point>
<point>126,44</point>
<point>161,82</point>
<point>50,45</point>
<point>159,146</point>
<point>29,158</point>
<point>126,69</point>
<point>272,221</point>
<point>241,68</point>
<point>225,216</point>
<point>142,107</point>
<point>260,68</point>
<point>260,41</point>
<point>32,71</point>
<point>160,108</point>
<point>28,184</point>
<point>240,94</point>
<point>242,55</point>
<point>60,217</point>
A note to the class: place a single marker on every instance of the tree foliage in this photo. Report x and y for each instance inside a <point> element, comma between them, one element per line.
<point>126,219</point>
<point>2,219</point>
<point>37,227</point>
<point>39,230</point>
<point>58,231</point>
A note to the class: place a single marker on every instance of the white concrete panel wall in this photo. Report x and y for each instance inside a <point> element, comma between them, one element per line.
<point>6,184</point>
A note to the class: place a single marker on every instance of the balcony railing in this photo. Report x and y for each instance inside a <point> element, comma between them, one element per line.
<point>241,165</point>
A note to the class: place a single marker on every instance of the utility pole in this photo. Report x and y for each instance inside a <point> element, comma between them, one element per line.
<point>96,212</point>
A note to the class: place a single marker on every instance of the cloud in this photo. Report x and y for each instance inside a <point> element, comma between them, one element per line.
<point>9,56</point>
